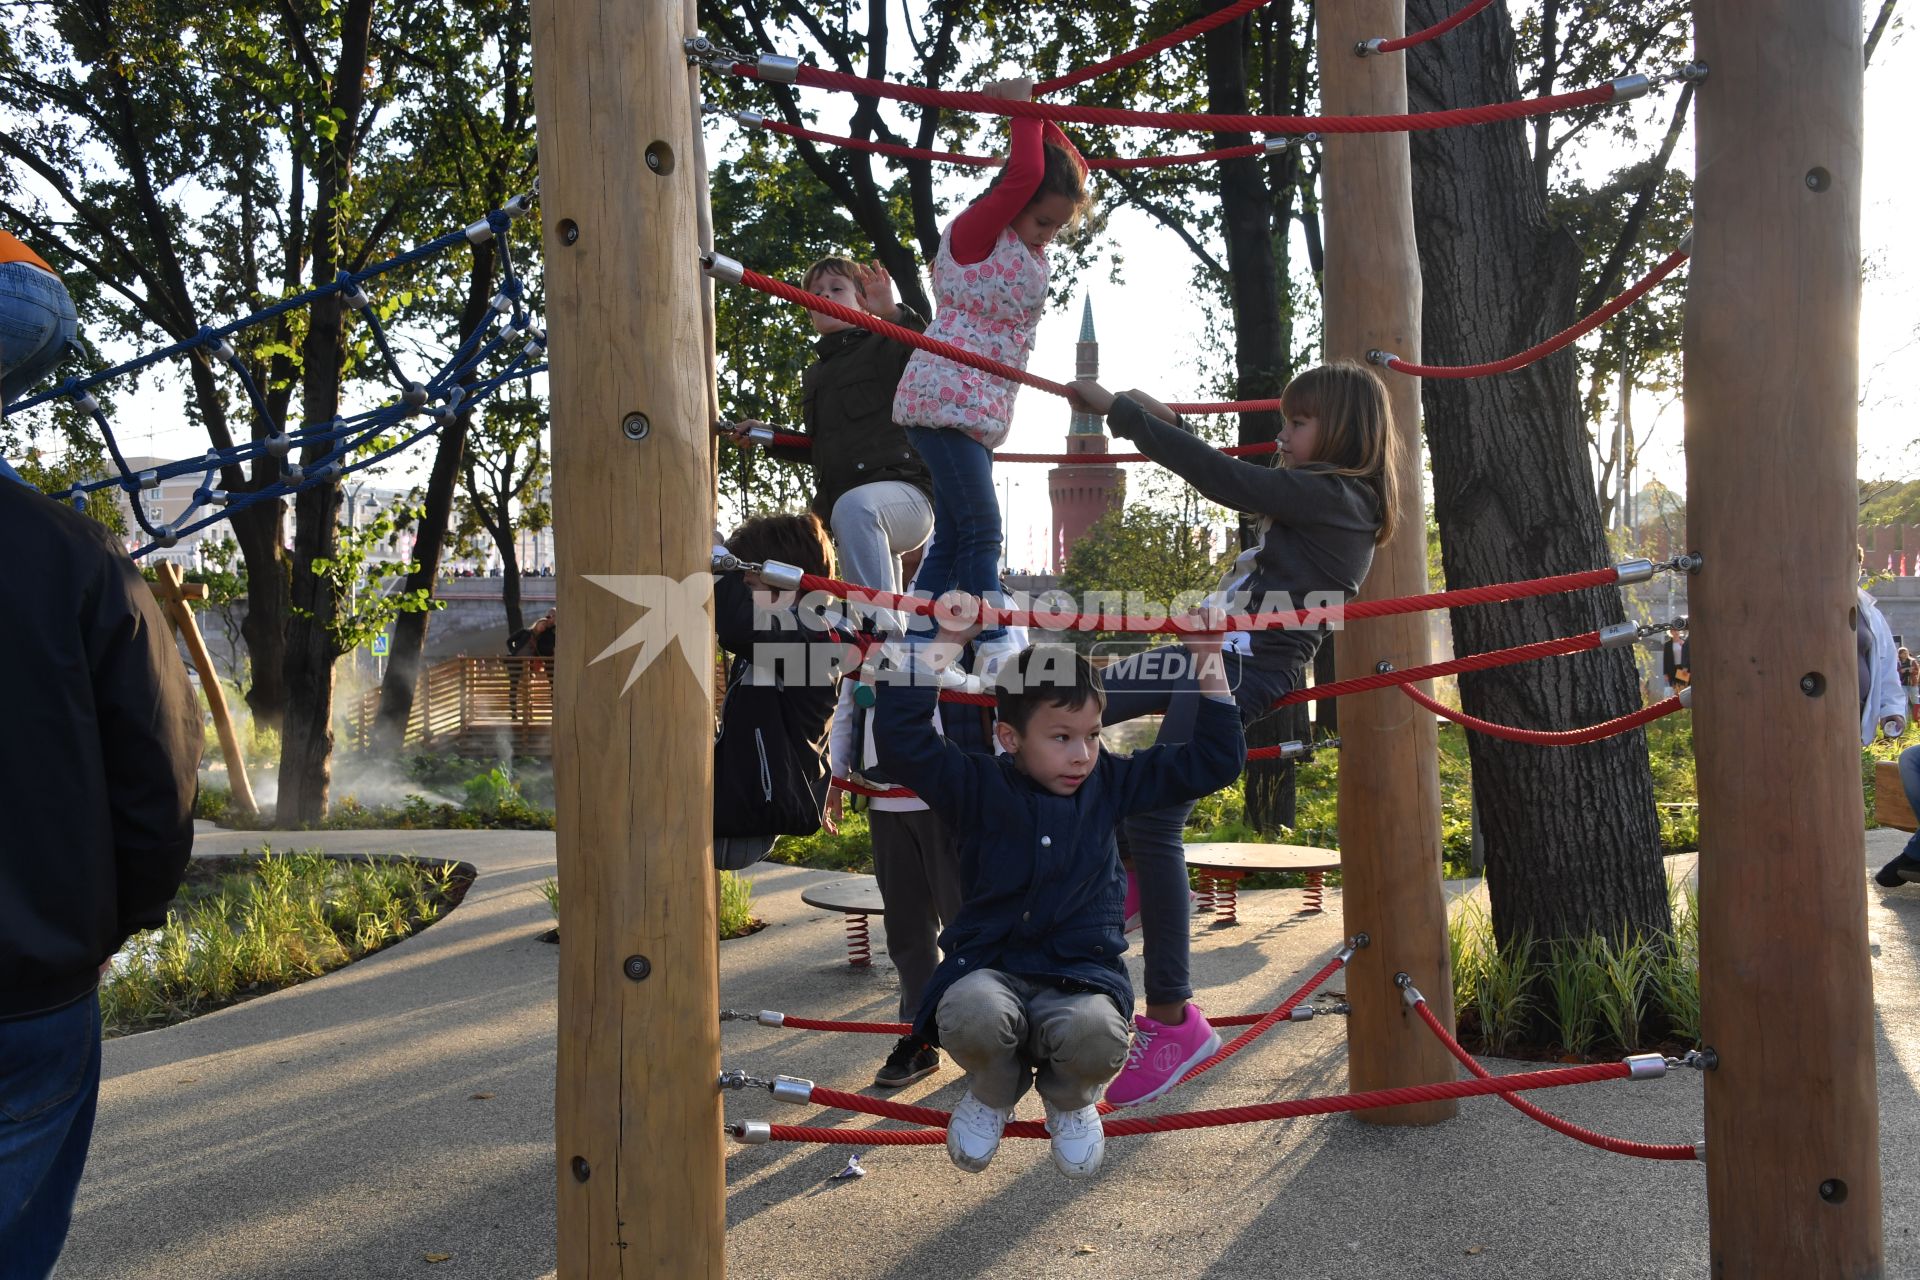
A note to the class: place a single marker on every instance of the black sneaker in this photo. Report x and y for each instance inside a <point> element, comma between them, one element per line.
<point>910,1060</point>
<point>1902,870</point>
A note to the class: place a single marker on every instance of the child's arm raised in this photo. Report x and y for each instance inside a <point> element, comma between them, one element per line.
<point>1163,776</point>
<point>977,229</point>
<point>1252,487</point>
<point>905,743</point>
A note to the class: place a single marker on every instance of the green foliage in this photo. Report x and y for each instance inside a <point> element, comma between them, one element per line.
<point>548,891</point>
<point>851,850</point>
<point>1576,982</point>
<point>1141,559</point>
<point>1586,996</point>
<point>736,906</point>
<point>265,924</point>
<point>1889,502</point>
<point>368,588</point>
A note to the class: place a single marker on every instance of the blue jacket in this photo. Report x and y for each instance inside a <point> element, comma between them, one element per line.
<point>1042,877</point>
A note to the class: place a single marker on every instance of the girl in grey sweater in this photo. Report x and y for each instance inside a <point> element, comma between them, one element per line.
<point>1324,504</point>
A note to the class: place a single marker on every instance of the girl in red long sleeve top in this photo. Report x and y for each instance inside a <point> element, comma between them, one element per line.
<point>990,287</point>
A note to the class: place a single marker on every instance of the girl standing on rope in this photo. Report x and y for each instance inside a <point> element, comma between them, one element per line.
<point>1324,504</point>
<point>990,283</point>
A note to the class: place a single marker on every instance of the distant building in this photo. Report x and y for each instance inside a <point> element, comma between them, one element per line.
<point>1082,492</point>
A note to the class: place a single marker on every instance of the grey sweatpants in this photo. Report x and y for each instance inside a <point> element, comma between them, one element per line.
<point>1011,1034</point>
<point>917,864</point>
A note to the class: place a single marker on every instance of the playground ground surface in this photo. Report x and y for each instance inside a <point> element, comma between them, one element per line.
<point>395,1118</point>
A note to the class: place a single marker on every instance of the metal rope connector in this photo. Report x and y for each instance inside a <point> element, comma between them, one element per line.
<point>357,298</point>
<point>1620,633</point>
<point>794,1089</point>
<point>1696,1060</point>
<point>1377,356</point>
<point>1285,141</point>
<point>703,52</point>
<point>1627,88</point>
<point>1646,1066</point>
<point>1408,992</point>
<point>1637,569</point>
<point>730,563</point>
<point>480,232</point>
<point>164,536</point>
<point>722,268</point>
<point>225,351</point>
<point>86,402</point>
<point>1686,697</point>
<point>776,68</point>
<point>1301,1013</point>
<point>781,577</point>
<point>415,396</point>
<point>1363,48</point>
<point>752,1133</point>
<point>741,1080</point>
<point>522,204</point>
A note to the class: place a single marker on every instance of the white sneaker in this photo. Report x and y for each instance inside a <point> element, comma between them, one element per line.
<point>1079,1143</point>
<point>973,1135</point>
<point>990,655</point>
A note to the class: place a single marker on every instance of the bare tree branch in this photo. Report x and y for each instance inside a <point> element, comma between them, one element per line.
<point>1880,22</point>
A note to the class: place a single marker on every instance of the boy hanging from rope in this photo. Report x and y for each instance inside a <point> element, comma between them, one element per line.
<point>1032,992</point>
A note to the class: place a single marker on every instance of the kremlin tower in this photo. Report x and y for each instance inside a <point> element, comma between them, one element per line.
<point>1082,492</point>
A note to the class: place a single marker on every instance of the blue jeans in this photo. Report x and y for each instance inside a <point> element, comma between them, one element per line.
<point>965,552</point>
<point>37,326</point>
<point>1156,842</point>
<point>49,1086</point>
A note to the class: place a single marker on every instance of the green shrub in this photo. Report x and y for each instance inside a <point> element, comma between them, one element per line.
<point>850,851</point>
<point>249,926</point>
<point>1503,993</point>
<point>1627,966</point>
<point>736,906</point>
<point>1574,983</point>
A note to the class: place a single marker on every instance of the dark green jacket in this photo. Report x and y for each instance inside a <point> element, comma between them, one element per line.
<point>849,415</point>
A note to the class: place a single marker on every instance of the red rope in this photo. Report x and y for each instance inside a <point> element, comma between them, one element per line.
<point>794,440</point>
<point>1619,1146</point>
<point>1566,337</point>
<point>1178,1121</point>
<point>904,152</point>
<point>1495,593</point>
<point>852,315</point>
<point>902,1028</point>
<point>1180,35</point>
<point>1435,31</point>
<point>819,78</point>
<point>1453,666</point>
<point>1548,738</point>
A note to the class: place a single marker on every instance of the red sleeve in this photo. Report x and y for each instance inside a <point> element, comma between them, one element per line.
<point>978,227</point>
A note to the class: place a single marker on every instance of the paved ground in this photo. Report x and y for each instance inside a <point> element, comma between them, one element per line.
<point>402,1108</point>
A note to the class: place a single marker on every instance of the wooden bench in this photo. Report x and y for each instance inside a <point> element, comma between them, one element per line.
<point>857,897</point>
<point>1890,798</point>
<point>1222,866</point>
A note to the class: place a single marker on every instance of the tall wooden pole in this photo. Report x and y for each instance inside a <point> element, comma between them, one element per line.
<point>1389,771</point>
<point>1793,1168</point>
<point>637,1110</point>
<point>173,592</point>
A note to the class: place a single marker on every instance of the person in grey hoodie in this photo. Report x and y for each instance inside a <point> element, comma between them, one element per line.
<point>1324,505</point>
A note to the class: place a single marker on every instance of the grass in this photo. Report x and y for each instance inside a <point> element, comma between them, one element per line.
<point>1578,999</point>
<point>736,904</point>
<point>245,926</point>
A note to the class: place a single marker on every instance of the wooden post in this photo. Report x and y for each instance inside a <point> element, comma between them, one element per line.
<point>637,1108</point>
<point>1793,1167</point>
<point>1389,772</point>
<point>173,592</point>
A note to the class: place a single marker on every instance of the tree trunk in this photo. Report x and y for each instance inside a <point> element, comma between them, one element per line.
<point>306,742</point>
<point>257,530</point>
<point>510,579</point>
<point>1572,841</point>
<point>410,629</point>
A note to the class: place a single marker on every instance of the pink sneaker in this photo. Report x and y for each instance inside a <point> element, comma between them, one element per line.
<point>1160,1054</point>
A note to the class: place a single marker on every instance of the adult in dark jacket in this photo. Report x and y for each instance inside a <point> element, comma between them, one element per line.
<point>100,760</point>
<point>770,760</point>
<point>870,488</point>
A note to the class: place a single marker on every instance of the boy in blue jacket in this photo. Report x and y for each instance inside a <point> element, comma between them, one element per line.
<point>1032,992</point>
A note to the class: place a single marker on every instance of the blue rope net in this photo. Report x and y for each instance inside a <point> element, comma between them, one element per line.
<point>439,400</point>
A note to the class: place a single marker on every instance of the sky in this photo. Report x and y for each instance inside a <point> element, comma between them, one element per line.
<point>1150,325</point>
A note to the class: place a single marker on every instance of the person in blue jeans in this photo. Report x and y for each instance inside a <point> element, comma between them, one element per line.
<point>99,826</point>
<point>38,324</point>
<point>1905,869</point>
